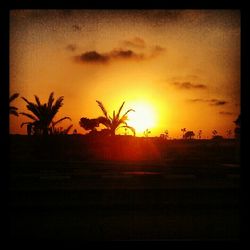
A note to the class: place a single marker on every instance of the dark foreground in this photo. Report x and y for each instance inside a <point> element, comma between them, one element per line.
<point>182,191</point>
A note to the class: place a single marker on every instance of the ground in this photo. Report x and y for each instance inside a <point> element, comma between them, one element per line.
<point>76,187</point>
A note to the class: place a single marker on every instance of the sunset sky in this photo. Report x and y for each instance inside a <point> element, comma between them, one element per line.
<point>176,68</point>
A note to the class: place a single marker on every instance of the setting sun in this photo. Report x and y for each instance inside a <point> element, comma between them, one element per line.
<point>143,118</point>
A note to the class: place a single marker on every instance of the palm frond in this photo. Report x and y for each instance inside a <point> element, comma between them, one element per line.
<point>103,109</point>
<point>66,131</point>
<point>125,115</point>
<point>31,123</point>
<point>118,114</point>
<point>13,112</point>
<point>25,100</point>
<point>29,115</point>
<point>13,97</point>
<point>129,127</point>
<point>51,100</point>
<point>60,120</point>
<point>38,101</point>
<point>13,108</point>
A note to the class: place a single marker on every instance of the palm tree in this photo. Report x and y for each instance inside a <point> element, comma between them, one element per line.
<point>12,109</point>
<point>115,122</point>
<point>42,115</point>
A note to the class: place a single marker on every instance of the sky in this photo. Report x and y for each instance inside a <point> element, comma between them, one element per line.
<point>176,68</point>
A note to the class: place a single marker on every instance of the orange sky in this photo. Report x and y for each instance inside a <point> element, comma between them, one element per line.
<point>182,66</point>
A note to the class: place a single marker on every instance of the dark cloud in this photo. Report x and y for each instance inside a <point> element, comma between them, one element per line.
<point>92,57</point>
<point>136,43</point>
<point>213,102</point>
<point>71,47</point>
<point>96,57</point>
<point>189,85</point>
<point>225,113</point>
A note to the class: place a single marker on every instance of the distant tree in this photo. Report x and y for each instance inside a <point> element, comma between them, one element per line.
<point>147,132</point>
<point>214,132</point>
<point>189,135</point>
<point>42,115</point>
<point>166,134</point>
<point>199,134</point>
<point>12,109</point>
<point>183,130</point>
<point>116,121</point>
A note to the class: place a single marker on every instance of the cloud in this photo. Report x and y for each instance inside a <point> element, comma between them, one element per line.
<point>116,54</point>
<point>189,85</point>
<point>212,102</point>
<point>135,43</point>
<point>71,47</point>
<point>92,57</point>
<point>225,113</point>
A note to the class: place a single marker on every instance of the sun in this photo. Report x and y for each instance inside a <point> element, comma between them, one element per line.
<point>143,118</point>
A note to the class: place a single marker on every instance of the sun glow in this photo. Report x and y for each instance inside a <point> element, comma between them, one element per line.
<point>143,118</point>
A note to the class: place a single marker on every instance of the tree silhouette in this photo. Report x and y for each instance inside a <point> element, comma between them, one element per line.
<point>115,122</point>
<point>214,132</point>
<point>188,135</point>
<point>42,115</point>
<point>199,133</point>
<point>89,124</point>
<point>147,132</point>
<point>12,109</point>
<point>183,130</point>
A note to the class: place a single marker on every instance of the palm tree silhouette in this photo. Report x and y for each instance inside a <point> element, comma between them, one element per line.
<point>12,109</point>
<point>42,115</point>
<point>115,122</point>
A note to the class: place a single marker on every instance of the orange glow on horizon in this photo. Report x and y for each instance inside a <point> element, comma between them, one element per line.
<point>176,69</point>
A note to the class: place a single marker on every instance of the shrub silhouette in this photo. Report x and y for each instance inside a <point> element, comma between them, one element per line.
<point>12,109</point>
<point>89,124</point>
<point>42,115</point>
<point>188,135</point>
